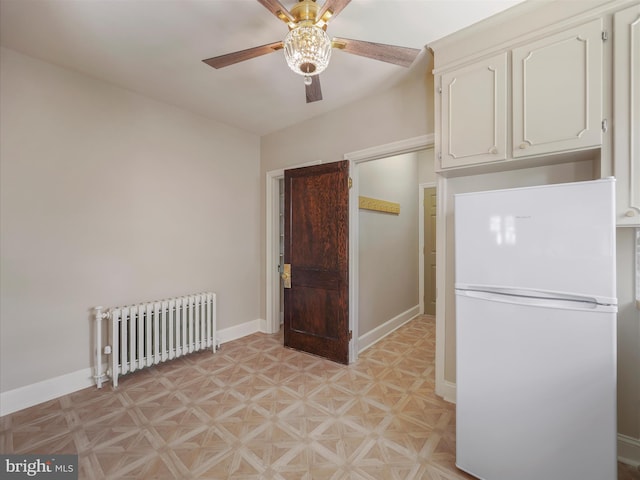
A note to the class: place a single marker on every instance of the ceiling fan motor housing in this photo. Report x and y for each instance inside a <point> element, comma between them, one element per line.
<point>305,10</point>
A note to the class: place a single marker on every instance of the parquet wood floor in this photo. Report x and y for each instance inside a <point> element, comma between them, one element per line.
<point>256,410</point>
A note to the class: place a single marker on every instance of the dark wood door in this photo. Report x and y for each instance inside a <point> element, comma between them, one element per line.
<point>316,236</point>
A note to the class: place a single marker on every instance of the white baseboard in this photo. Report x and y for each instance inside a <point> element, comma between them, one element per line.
<point>39,392</point>
<point>30,395</point>
<point>629,450</point>
<point>238,331</point>
<point>447,391</point>
<point>378,333</point>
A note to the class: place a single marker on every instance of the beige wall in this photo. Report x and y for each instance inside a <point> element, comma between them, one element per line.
<point>108,197</point>
<point>426,166</point>
<point>402,112</point>
<point>388,256</point>
<point>628,337</point>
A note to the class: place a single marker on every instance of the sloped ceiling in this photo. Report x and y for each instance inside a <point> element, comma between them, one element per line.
<point>156,48</point>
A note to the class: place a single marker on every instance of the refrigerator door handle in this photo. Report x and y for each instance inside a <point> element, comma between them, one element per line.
<point>536,294</point>
<point>568,302</point>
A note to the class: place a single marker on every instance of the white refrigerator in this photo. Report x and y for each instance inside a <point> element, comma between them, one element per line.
<point>536,332</point>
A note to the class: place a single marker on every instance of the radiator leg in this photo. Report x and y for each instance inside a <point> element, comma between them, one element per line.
<point>98,317</point>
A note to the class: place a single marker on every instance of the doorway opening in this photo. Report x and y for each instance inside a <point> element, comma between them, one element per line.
<point>273,232</point>
<point>428,202</point>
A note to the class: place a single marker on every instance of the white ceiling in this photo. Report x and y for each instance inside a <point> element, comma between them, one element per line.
<point>155,47</point>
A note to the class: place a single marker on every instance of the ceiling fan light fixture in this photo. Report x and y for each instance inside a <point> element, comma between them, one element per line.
<point>307,49</point>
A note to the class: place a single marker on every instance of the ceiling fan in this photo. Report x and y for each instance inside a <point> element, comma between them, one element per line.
<point>307,47</point>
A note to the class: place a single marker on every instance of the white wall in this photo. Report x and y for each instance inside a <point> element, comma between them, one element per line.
<point>388,263</point>
<point>107,198</point>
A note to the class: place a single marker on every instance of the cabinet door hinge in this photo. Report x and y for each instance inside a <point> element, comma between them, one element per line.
<point>605,35</point>
<point>604,126</point>
<point>350,182</point>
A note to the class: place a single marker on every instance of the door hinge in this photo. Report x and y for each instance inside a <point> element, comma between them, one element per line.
<point>439,155</point>
<point>439,89</point>
<point>350,182</point>
<point>604,126</point>
<point>350,334</point>
<point>605,35</point>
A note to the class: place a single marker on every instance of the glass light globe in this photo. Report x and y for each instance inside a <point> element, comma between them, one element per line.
<point>307,49</point>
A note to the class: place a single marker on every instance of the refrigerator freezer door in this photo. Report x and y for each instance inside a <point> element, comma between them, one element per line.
<point>535,392</point>
<point>558,238</point>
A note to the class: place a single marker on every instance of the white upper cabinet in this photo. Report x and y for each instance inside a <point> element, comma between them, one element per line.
<point>557,92</point>
<point>538,98</point>
<point>474,113</point>
<point>626,106</point>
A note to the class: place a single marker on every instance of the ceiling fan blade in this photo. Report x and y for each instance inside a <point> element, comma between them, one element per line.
<point>314,91</point>
<point>235,57</point>
<point>279,10</point>
<point>403,56</point>
<point>330,9</point>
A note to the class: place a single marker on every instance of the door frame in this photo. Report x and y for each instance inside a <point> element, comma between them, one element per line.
<point>273,245</point>
<point>273,177</point>
<point>355,158</point>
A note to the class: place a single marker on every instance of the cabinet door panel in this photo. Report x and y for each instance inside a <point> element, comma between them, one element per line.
<point>557,92</point>
<point>626,93</point>
<point>474,113</point>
